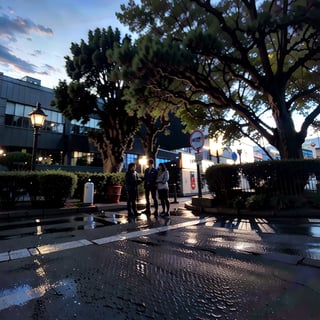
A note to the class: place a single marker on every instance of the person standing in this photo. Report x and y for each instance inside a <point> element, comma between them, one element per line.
<point>132,182</point>
<point>163,189</point>
<point>150,187</point>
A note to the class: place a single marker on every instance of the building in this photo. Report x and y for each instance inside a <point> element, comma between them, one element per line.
<point>61,142</point>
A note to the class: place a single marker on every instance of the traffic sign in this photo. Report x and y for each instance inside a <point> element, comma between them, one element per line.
<point>197,140</point>
<point>234,156</point>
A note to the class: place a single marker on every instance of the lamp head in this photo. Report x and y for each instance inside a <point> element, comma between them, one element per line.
<point>37,117</point>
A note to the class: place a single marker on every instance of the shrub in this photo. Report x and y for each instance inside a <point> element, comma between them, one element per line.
<point>16,161</point>
<point>286,202</point>
<point>117,178</point>
<point>257,202</point>
<point>278,184</point>
<point>98,179</point>
<point>12,185</point>
<point>52,186</point>
<point>56,186</point>
<point>221,180</point>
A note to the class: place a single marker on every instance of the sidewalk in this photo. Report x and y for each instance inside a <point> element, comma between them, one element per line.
<point>70,208</point>
<point>202,205</point>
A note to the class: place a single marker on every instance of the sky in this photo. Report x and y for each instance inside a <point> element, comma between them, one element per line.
<point>36,35</point>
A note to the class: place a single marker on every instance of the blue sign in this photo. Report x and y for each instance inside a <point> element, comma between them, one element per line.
<point>234,156</point>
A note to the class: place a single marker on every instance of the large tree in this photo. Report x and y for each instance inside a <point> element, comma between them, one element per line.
<point>239,66</point>
<point>152,111</point>
<point>94,93</point>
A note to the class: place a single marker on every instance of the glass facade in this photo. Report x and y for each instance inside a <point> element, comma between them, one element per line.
<point>17,115</point>
<point>82,129</point>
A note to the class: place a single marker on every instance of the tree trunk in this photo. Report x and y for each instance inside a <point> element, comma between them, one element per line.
<point>286,139</point>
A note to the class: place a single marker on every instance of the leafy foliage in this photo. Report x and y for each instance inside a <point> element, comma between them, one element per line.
<point>240,67</point>
<point>93,93</point>
<point>272,184</point>
<point>52,186</point>
<point>16,161</point>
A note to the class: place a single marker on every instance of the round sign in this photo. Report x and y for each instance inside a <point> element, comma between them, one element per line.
<point>197,140</point>
<point>234,156</point>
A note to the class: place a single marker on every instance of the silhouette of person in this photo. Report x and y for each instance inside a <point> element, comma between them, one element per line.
<point>150,187</point>
<point>132,182</point>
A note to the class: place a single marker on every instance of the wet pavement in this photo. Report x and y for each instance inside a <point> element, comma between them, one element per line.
<point>42,229</point>
<point>189,266</point>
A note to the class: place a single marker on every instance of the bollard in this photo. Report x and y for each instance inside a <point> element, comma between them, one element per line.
<point>88,192</point>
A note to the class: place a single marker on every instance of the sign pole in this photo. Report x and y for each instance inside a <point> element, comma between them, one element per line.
<point>197,142</point>
<point>199,178</point>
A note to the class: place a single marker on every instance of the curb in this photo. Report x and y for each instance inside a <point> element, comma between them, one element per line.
<point>52,212</point>
<point>293,213</point>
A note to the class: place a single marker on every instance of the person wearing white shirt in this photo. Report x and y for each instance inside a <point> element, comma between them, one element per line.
<point>163,189</point>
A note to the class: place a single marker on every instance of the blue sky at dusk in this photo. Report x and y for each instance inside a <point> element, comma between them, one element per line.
<point>35,35</point>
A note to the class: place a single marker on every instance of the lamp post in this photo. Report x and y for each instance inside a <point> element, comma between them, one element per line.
<point>37,118</point>
<point>239,151</point>
<point>216,148</point>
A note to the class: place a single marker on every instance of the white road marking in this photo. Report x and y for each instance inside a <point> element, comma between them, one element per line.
<point>25,293</point>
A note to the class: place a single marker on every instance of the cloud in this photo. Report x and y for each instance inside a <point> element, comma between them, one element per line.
<point>36,53</point>
<point>50,68</point>
<point>6,58</point>
<point>9,28</point>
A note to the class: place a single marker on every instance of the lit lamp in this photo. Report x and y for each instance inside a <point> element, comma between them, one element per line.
<point>37,118</point>
<point>216,148</point>
<point>142,163</point>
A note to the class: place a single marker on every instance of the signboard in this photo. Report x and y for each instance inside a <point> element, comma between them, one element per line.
<point>199,157</point>
<point>234,156</point>
<point>197,140</point>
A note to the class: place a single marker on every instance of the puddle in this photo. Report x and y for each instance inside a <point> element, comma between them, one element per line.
<point>21,295</point>
<point>49,225</point>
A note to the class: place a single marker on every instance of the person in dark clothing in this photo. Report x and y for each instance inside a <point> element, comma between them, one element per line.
<point>132,182</point>
<point>150,187</point>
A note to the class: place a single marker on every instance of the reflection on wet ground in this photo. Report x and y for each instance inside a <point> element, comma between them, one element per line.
<point>288,228</point>
<point>296,226</point>
<point>22,294</point>
<point>19,227</point>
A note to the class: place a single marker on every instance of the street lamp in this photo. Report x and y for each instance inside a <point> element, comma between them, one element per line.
<point>37,118</point>
<point>239,151</point>
<point>216,148</point>
<point>142,162</point>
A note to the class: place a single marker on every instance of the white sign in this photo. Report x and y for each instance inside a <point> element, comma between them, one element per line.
<point>197,140</point>
<point>199,156</point>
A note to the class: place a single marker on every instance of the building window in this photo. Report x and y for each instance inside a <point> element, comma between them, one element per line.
<point>78,128</point>
<point>17,115</point>
<point>129,158</point>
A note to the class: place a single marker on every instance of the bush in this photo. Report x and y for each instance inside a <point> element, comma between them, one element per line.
<point>286,202</point>
<point>100,181</point>
<point>57,186</point>
<point>278,184</point>
<point>221,180</point>
<point>257,202</point>
<point>117,178</point>
<point>286,177</point>
<point>16,161</point>
<point>54,187</point>
<point>12,186</point>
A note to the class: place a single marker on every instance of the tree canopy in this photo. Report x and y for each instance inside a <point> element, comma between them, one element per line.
<point>94,93</point>
<point>242,67</point>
